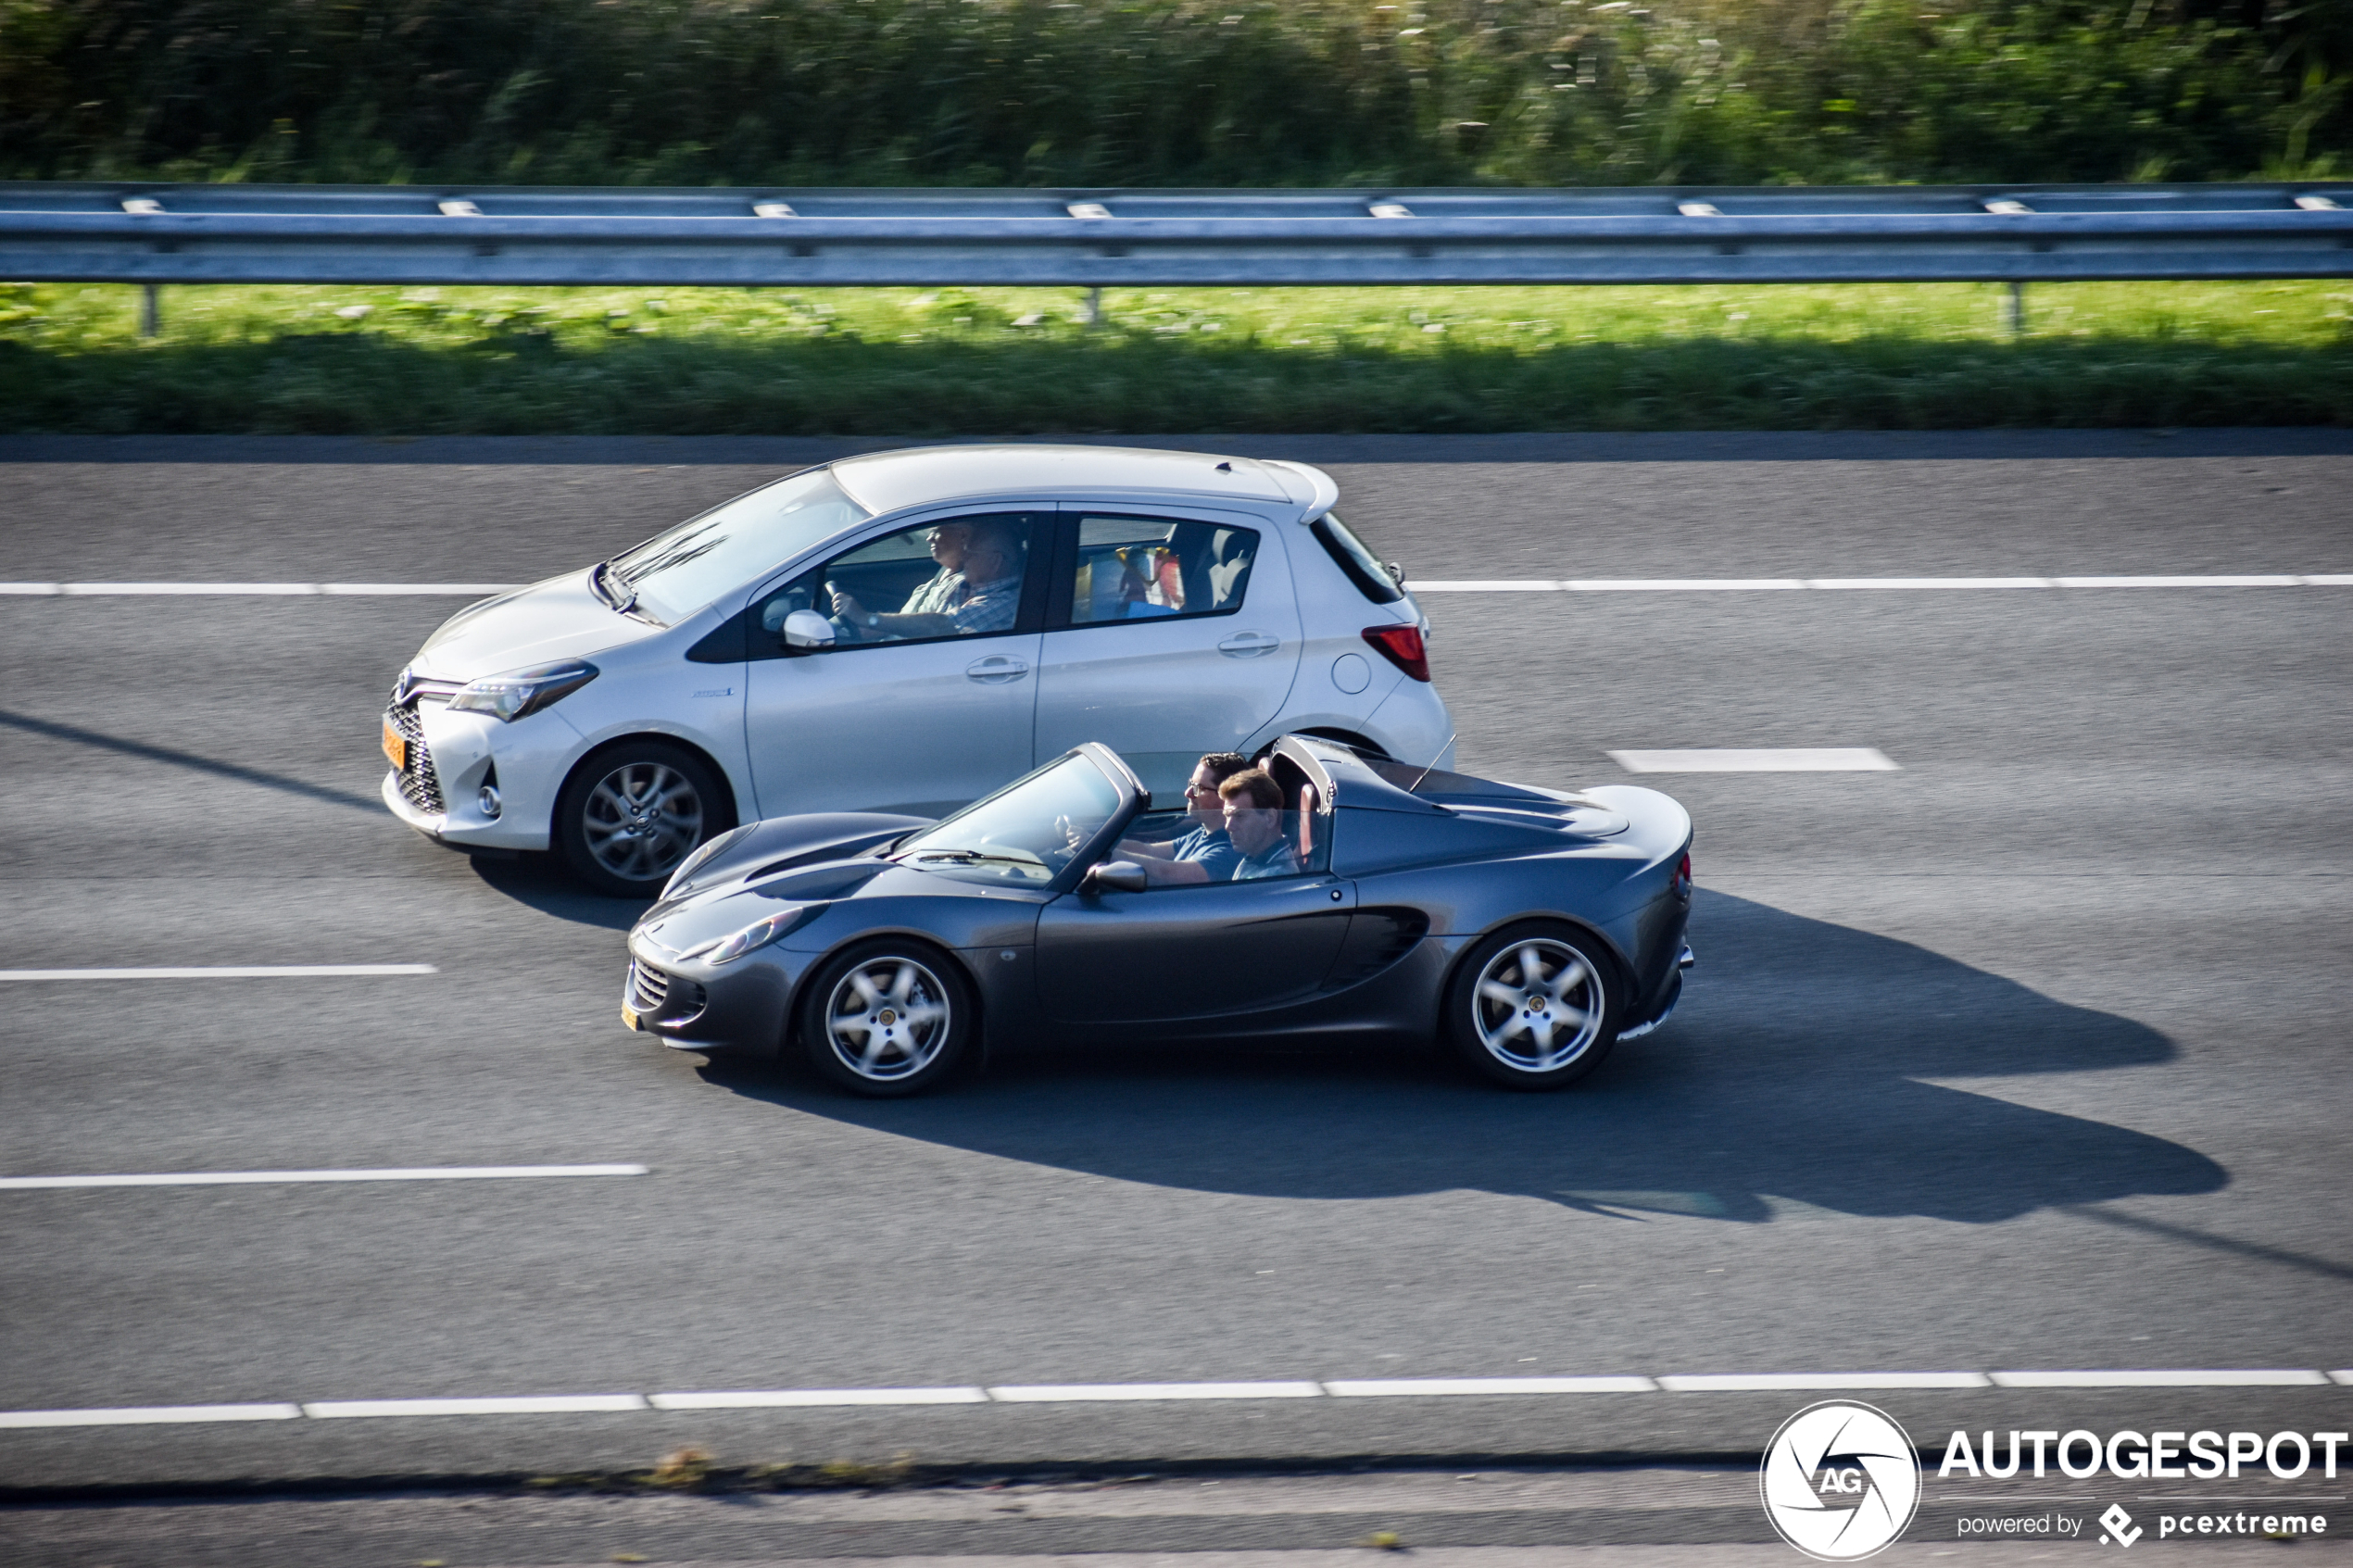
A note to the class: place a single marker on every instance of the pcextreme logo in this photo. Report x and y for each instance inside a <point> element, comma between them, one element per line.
<point>1840,1481</point>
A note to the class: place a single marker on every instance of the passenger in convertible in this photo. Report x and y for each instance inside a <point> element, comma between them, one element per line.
<point>1253,807</point>
<point>1202,853</point>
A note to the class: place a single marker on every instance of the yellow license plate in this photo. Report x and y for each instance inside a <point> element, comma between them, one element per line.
<point>395,745</point>
<point>629,1016</point>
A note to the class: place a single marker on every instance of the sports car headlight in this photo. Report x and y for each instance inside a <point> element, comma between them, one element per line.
<point>520,692</point>
<point>758,934</point>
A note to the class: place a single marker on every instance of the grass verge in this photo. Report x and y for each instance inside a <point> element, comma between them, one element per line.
<point>357,361</point>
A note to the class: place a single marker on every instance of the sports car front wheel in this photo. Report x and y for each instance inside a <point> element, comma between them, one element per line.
<point>1535,1007</point>
<point>887,1018</point>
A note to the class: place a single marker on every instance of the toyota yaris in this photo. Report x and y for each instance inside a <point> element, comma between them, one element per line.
<point>902,633</point>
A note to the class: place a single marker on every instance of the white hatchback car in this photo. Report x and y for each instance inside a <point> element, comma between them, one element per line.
<point>905,632</point>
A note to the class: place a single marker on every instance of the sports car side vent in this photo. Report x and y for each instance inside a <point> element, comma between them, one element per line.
<point>1376,939</point>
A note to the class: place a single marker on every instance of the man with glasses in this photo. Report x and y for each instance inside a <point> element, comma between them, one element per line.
<point>1203,853</point>
<point>977,587</point>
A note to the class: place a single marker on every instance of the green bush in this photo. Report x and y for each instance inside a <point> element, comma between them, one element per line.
<point>1173,92</point>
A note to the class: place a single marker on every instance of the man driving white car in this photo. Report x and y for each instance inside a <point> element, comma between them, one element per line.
<point>977,587</point>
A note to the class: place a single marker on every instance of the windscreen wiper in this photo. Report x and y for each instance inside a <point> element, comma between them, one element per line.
<point>609,585</point>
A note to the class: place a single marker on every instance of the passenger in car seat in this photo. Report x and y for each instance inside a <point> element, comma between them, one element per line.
<point>1253,808</point>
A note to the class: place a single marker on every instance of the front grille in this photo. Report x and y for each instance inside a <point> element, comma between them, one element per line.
<point>648,988</point>
<point>420,784</point>
<point>669,999</point>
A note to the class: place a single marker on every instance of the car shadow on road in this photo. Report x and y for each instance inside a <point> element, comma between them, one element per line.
<point>1795,1071</point>
<point>540,881</point>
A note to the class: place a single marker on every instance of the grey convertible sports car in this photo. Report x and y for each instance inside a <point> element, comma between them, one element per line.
<point>1529,929</point>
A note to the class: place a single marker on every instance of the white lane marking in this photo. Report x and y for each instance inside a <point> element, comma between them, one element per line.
<point>2189,582</point>
<point>1379,1388</point>
<point>1928,583</point>
<point>558,1404</point>
<point>775,1399</point>
<point>223,972</point>
<point>2167,1379</point>
<point>1835,584</point>
<point>1061,1393</point>
<point>1773,759</point>
<point>257,1178</point>
<point>1454,586</point>
<point>366,590</point>
<point>1790,1382</point>
<point>251,590</point>
<point>149,1416</point>
<point>1739,1383</point>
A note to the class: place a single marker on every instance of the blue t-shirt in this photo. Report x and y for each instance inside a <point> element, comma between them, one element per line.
<point>1212,848</point>
<point>1279,859</point>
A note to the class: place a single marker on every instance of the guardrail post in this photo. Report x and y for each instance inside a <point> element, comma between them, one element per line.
<point>150,310</point>
<point>2014,309</point>
<point>1091,313</point>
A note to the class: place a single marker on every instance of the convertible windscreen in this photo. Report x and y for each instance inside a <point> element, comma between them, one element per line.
<point>1025,833</point>
<point>676,574</point>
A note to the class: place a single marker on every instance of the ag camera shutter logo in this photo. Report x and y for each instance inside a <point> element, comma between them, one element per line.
<point>1840,1481</point>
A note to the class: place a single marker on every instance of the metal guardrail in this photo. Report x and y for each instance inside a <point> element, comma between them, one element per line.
<point>147,233</point>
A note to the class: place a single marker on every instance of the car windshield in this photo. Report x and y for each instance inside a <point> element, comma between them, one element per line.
<point>1025,833</point>
<point>676,574</point>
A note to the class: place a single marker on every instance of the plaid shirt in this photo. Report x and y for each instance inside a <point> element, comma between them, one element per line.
<point>986,607</point>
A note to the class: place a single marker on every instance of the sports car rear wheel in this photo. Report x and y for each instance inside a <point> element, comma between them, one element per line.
<point>1535,1007</point>
<point>887,1018</point>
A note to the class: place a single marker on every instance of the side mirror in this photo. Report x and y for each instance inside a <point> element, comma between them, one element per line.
<point>807,629</point>
<point>1396,573</point>
<point>1114,876</point>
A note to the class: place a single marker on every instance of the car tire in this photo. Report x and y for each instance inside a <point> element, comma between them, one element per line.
<point>1541,1035</point>
<point>902,1030</point>
<point>629,814</point>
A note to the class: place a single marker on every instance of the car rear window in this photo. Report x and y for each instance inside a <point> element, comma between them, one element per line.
<point>1356,558</point>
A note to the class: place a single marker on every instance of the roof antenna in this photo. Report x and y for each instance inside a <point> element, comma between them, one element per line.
<point>1434,765</point>
<point>1225,468</point>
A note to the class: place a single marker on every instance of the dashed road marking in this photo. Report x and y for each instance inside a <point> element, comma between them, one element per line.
<point>225,972</point>
<point>1759,759</point>
<point>272,1178</point>
<point>1889,584</point>
<point>258,590</point>
<point>1066,1393</point>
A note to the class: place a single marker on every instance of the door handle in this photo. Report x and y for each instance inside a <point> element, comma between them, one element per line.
<point>1248,645</point>
<point>997,669</point>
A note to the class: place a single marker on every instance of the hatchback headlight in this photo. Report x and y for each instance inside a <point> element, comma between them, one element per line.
<point>520,692</point>
<point>758,934</point>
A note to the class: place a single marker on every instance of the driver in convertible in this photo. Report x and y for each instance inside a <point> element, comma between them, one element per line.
<point>977,589</point>
<point>1253,805</point>
<point>1202,853</point>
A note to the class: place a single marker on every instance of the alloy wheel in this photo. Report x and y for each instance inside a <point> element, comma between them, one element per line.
<point>641,820</point>
<point>1537,1006</point>
<point>888,1019</point>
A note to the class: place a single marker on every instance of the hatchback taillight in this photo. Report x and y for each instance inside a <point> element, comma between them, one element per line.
<point>1402,646</point>
<point>1682,885</point>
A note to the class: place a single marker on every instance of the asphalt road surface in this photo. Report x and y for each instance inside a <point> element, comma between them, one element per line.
<point>2030,1055</point>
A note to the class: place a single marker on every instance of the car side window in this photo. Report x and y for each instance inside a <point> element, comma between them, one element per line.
<point>960,577</point>
<point>1143,569</point>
